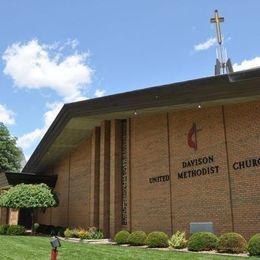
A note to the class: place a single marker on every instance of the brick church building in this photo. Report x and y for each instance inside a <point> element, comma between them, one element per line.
<point>165,158</point>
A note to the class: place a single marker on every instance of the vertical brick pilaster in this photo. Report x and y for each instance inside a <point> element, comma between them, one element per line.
<point>94,179</point>
<point>104,192</point>
<point>68,210</point>
<point>13,216</point>
<point>115,177</point>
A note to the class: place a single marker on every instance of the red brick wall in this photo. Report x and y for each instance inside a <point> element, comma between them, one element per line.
<point>59,215</point>
<point>204,198</point>
<point>73,189</point>
<point>157,147</point>
<point>150,202</point>
<point>243,138</point>
<point>79,186</point>
<point>228,198</point>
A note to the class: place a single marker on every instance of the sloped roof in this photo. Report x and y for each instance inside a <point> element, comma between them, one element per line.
<point>76,120</point>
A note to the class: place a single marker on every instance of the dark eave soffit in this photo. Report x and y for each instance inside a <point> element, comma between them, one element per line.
<point>8,179</point>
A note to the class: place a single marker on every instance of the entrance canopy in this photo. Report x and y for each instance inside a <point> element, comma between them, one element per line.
<point>8,179</point>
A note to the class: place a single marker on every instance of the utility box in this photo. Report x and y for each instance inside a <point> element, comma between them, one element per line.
<point>201,227</point>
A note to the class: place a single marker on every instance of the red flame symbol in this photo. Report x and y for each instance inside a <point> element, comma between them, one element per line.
<point>192,132</point>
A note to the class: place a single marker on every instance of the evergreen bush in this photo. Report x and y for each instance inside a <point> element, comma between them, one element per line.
<point>51,230</point>
<point>3,229</point>
<point>157,239</point>
<point>44,229</point>
<point>232,243</point>
<point>15,230</point>
<point>61,231</point>
<point>202,241</point>
<point>178,240</point>
<point>57,231</point>
<point>254,245</point>
<point>121,237</point>
<point>137,238</point>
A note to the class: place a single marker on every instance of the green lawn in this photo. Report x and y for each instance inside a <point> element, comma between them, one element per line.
<point>14,247</point>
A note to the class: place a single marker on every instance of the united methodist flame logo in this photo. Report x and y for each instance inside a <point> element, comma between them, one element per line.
<point>192,137</point>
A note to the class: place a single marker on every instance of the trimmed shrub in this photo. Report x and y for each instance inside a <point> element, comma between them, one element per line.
<point>57,231</point>
<point>157,239</point>
<point>15,230</point>
<point>68,233</point>
<point>254,245</point>
<point>36,226</point>
<point>178,240</point>
<point>137,238</point>
<point>232,243</point>
<point>121,237</point>
<point>3,229</point>
<point>45,229</point>
<point>202,241</point>
<point>61,231</point>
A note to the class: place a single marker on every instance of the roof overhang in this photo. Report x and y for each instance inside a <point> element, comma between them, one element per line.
<point>9,179</point>
<point>76,120</point>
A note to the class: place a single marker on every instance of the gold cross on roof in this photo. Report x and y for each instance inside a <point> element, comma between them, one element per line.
<point>217,20</point>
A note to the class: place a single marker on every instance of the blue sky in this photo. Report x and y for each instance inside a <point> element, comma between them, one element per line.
<point>55,52</point>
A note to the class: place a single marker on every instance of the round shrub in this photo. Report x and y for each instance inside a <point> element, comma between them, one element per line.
<point>232,243</point>
<point>68,233</point>
<point>137,238</point>
<point>15,230</point>
<point>121,237</point>
<point>36,226</point>
<point>202,241</point>
<point>157,239</point>
<point>254,245</point>
<point>3,229</point>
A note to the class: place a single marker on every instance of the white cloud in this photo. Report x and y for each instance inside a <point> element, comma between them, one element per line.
<point>247,64</point>
<point>54,109</point>
<point>6,116</point>
<point>205,45</point>
<point>100,93</point>
<point>29,139</point>
<point>34,66</point>
<point>32,138</point>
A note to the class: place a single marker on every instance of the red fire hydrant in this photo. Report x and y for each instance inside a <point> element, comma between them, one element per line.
<point>54,254</point>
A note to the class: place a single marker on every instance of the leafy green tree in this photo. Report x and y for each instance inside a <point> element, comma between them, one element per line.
<point>10,154</point>
<point>29,196</point>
